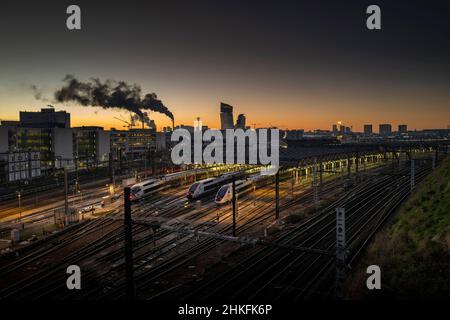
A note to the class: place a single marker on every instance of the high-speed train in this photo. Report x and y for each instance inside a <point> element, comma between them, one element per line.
<point>243,187</point>
<point>142,189</point>
<point>146,188</point>
<point>225,193</point>
<point>207,186</point>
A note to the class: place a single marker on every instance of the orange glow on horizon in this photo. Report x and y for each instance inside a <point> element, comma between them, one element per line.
<point>290,112</point>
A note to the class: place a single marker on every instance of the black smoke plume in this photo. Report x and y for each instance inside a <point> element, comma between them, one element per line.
<point>111,94</point>
<point>144,119</point>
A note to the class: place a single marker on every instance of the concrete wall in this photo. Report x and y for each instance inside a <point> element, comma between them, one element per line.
<point>62,145</point>
<point>103,145</point>
<point>161,141</point>
<point>4,139</point>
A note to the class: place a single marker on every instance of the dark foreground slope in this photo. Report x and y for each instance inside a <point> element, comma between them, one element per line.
<point>414,251</point>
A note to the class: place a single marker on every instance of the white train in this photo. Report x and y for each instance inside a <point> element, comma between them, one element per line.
<point>180,175</point>
<point>243,187</point>
<point>207,186</point>
<point>225,193</point>
<point>146,188</point>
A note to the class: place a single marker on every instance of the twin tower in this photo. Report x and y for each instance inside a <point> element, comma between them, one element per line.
<point>226,118</point>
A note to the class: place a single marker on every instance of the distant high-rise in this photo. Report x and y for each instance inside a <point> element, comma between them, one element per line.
<point>240,122</point>
<point>335,129</point>
<point>385,129</point>
<point>368,129</point>
<point>226,116</point>
<point>402,128</point>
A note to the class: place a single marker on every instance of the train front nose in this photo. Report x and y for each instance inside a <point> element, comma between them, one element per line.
<point>189,195</point>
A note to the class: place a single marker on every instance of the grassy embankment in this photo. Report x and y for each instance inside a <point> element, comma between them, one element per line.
<point>413,252</point>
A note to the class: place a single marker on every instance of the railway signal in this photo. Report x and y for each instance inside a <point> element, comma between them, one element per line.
<point>340,234</point>
<point>130,292</point>
<point>233,186</point>
<point>66,193</point>
<point>340,249</point>
<point>357,162</point>
<point>314,183</point>
<point>277,197</point>
<point>321,169</point>
<point>349,167</point>
<point>435,157</point>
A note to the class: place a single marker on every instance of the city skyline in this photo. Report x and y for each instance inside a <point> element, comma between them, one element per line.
<point>312,72</point>
<point>137,125</point>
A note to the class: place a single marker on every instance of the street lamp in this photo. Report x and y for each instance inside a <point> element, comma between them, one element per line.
<point>111,190</point>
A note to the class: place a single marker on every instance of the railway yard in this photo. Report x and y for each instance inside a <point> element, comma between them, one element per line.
<point>190,249</point>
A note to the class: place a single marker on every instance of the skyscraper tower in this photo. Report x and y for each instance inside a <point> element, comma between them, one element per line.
<point>402,128</point>
<point>226,116</point>
<point>240,122</point>
<point>385,129</point>
<point>368,130</point>
<point>335,129</point>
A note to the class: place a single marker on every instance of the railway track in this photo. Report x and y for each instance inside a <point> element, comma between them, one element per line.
<point>208,245</point>
<point>107,249</point>
<point>272,274</point>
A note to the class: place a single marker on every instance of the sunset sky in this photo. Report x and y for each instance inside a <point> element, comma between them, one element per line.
<point>292,64</point>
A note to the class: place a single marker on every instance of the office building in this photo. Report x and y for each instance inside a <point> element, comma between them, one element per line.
<point>54,145</point>
<point>91,145</point>
<point>335,129</point>
<point>46,118</point>
<point>46,132</point>
<point>7,137</point>
<point>402,129</point>
<point>226,116</point>
<point>385,129</point>
<point>19,165</point>
<point>368,130</point>
<point>162,140</point>
<point>240,122</point>
<point>132,143</point>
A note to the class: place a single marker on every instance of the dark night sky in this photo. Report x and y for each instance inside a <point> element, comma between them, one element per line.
<point>302,64</point>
